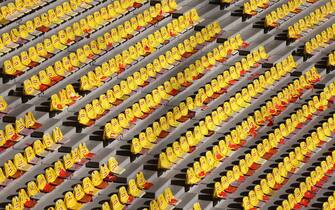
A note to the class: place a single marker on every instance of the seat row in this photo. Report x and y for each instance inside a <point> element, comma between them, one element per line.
<point>301,195</point>
<point>273,18</point>
<point>71,63</point>
<point>49,47</point>
<point>206,126</point>
<point>53,177</point>
<point>285,129</point>
<point>291,162</point>
<point>280,137</point>
<point>164,92</point>
<point>121,91</point>
<point>277,137</point>
<point>14,133</point>
<point>276,179</point>
<point>14,10</point>
<point>31,155</point>
<point>38,150</point>
<point>321,40</point>
<point>124,60</point>
<point>175,117</point>
<point>64,98</point>
<point>42,23</point>
<point>165,200</point>
<point>83,193</point>
<point>47,182</point>
<point>136,188</point>
<point>153,100</point>
<point>238,136</point>
<point>252,7</point>
<point>125,87</point>
<point>311,20</point>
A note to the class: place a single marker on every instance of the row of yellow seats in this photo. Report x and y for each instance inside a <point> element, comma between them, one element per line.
<point>214,89</point>
<point>135,189</point>
<point>23,161</point>
<point>118,93</point>
<point>84,192</point>
<point>311,20</point>
<point>253,124</point>
<point>90,186</point>
<point>72,201</point>
<point>123,60</point>
<point>61,69</point>
<point>162,93</point>
<point>152,101</point>
<point>62,12</point>
<point>208,126</point>
<point>263,149</point>
<point>323,39</point>
<point>264,153</point>
<point>279,175</point>
<point>64,98</point>
<point>13,10</point>
<point>35,55</point>
<point>11,135</point>
<point>60,41</point>
<point>330,203</point>
<point>37,151</point>
<point>42,23</point>
<point>251,7</point>
<point>39,148</point>
<point>331,60</point>
<point>127,86</point>
<point>118,64</point>
<point>55,176</point>
<point>179,114</point>
<point>237,137</point>
<point>319,176</point>
<point>164,201</point>
<point>45,183</point>
<point>272,19</point>
<point>309,187</point>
